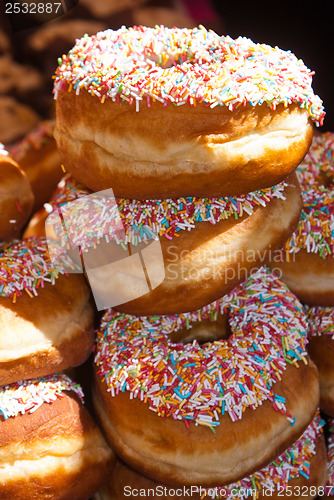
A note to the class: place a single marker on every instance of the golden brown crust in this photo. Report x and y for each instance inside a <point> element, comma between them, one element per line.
<point>207,262</point>
<point>178,150</point>
<point>124,479</point>
<point>41,469</point>
<point>43,169</point>
<point>16,198</point>
<point>36,226</point>
<point>321,350</point>
<point>47,333</point>
<point>166,451</point>
<point>314,287</point>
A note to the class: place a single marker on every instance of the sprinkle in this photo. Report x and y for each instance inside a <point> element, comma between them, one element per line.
<point>3,151</point>
<point>35,140</point>
<point>26,396</point>
<point>186,66</point>
<point>321,320</point>
<point>135,221</point>
<point>330,454</point>
<point>217,378</point>
<point>26,266</point>
<point>315,232</point>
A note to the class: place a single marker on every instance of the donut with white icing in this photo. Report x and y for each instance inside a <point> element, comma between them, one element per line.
<point>207,411</point>
<point>158,112</point>
<point>16,197</point>
<point>307,265</point>
<point>46,315</point>
<point>50,447</point>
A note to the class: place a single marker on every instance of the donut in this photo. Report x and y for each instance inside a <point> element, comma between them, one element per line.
<point>301,467</point>
<point>208,245</point>
<point>46,315</point>
<point>21,81</point>
<point>321,350</point>
<point>307,265</point>
<point>49,40</point>
<point>16,197</point>
<point>38,156</point>
<point>17,120</point>
<point>207,413</point>
<point>49,444</point>
<point>157,113</point>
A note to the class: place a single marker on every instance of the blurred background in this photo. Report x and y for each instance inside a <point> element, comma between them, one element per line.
<point>30,45</point>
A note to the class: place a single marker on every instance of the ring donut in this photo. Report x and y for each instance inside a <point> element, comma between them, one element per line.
<point>16,197</point>
<point>196,405</point>
<point>308,256</point>
<point>208,245</point>
<point>160,113</point>
<point>50,447</point>
<point>46,317</point>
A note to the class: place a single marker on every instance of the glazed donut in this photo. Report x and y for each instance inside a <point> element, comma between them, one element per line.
<point>38,156</point>
<point>159,113</point>
<point>321,350</point>
<point>16,197</point>
<point>208,245</point>
<point>253,389</point>
<point>50,447</point>
<point>308,256</point>
<point>46,317</point>
<point>302,465</point>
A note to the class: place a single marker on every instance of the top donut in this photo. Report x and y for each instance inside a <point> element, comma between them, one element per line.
<point>207,104</point>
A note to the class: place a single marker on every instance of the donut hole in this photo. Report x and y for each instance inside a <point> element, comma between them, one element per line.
<point>326,177</point>
<point>204,331</point>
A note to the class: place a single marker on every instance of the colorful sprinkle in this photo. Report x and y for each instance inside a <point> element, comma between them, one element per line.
<point>315,232</point>
<point>40,136</point>
<point>3,151</point>
<point>201,382</point>
<point>330,455</point>
<point>26,396</point>
<point>181,66</point>
<point>138,220</point>
<point>25,266</point>
<point>321,320</point>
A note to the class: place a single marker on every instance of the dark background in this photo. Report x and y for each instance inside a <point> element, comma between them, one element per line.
<point>307,29</point>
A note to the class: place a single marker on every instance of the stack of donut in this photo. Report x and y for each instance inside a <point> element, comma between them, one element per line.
<point>50,446</point>
<point>201,379</point>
